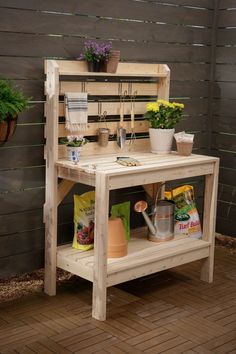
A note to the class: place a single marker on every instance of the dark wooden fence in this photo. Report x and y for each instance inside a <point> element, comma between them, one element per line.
<point>180,33</point>
<point>224,110</point>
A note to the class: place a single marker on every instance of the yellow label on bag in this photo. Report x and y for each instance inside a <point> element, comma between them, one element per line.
<point>84,211</point>
<point>187,221</point>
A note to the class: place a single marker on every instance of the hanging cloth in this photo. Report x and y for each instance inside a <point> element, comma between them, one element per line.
<point>76,111</point>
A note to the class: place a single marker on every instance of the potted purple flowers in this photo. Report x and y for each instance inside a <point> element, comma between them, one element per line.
<point>96,55</point>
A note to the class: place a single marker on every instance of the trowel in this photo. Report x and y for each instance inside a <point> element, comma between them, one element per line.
<point>121,131</point>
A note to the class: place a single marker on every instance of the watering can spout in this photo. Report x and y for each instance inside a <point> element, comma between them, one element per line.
<point>140,207</point>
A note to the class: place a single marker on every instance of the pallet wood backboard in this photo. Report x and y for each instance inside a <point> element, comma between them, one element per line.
<point>130,78</point>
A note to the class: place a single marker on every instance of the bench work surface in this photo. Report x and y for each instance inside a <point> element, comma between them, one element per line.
<point>154,168</point>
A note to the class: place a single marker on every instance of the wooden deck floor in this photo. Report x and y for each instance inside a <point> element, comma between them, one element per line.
<point>171,312</point>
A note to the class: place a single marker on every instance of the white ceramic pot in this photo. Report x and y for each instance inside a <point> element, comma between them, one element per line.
<point>161,140</point>
<point>74,153</point>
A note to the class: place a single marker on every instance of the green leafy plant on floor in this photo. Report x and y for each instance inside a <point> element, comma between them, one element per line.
<point>12,101</point>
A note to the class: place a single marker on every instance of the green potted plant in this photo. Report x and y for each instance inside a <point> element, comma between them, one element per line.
<point>74,144</point>
<point>12,102</point>
<point>162,116</point>
<point>96,55</point>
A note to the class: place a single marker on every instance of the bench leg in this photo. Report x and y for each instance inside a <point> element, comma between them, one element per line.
<point>209,221</point>
<point>100,248</point>
<point>50,217</point>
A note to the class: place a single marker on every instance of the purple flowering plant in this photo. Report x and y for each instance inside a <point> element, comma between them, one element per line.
<point>96,51</point>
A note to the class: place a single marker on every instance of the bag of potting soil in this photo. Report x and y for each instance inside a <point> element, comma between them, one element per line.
<point>84,210</point>
<point>187,221</point>
<point>122,211</point>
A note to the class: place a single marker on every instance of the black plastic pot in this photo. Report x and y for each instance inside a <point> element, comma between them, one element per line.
<point>95,66</point>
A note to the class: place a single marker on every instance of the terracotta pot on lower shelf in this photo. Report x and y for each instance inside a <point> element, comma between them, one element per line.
<point>7,129</point>
<point>117,243</point>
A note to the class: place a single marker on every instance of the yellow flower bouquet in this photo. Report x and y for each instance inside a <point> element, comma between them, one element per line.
<point>163,114</point>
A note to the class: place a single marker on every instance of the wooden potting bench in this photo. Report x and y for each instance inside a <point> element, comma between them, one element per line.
<point>98,168</point>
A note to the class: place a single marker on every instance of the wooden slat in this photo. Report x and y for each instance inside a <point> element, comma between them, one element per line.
<point>112,108</point>
<point>139,11</point>
<point>223,124</point>
<point>225,4</point>
<point>63,189</point>
<point>141,252</point>
<point>92,128</point>
<point>136,70</point>
<point>21,156</point>
<point>33,132</point>
<point>28,68</point>
<point>226,226</point>
<point>224,107</point>
<point>21,201</point>
<point>70,47</point>
<point>50,206</point>
<point>225,72</point>
<point>23,68</point>
<point>209,221</point>
<point>228,176</point>
<point>20,222</point>
<point>227,193</point>
<point>95,149</point>
<point>225,90</point>
<point>192,107</point>
<point>224,141</point>
<point>18,179</point>
<point>8,243</point>
<point>227,158</point>
<point>21,263</point>
<point>99,270</point>
<point>225,55</point>
<point>189,71</point>
<point>227,18</point>
<point>110,89</point>
<point>141,145</point>
<point>226,36</point>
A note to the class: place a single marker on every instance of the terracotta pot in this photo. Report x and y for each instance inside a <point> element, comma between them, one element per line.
<point>113,61</point>
<point>7,129</point>
<point>117,243</point>
<point>184,148</point>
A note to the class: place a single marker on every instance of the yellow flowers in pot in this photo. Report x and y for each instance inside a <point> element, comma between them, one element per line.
<point>163,114</point>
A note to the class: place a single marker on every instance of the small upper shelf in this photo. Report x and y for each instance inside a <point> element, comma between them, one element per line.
<point>79,68</point>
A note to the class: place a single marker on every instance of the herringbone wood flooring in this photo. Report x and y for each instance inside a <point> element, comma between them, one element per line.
<point>170,312</point>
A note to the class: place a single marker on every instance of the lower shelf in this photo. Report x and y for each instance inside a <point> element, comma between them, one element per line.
<point>144,257</point>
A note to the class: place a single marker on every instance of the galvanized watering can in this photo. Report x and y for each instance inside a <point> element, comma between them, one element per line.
<point>161,226</point>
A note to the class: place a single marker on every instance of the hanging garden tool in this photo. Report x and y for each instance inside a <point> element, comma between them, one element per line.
<point>121,131</point>
<point>132,117</point>
<point>103,132</point>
